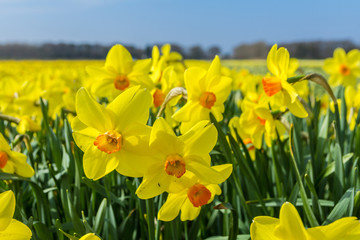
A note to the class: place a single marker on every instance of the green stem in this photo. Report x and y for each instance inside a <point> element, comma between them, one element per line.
<point>309,213</point>
<point>339,134</point>
<point>150,218</point>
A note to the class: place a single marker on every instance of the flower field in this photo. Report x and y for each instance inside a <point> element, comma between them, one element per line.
<point>172,148</point>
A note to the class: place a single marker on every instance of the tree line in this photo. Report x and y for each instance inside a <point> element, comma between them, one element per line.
<point>257,50</point>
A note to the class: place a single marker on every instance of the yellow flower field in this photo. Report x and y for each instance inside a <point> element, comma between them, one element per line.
<point>174,148</point>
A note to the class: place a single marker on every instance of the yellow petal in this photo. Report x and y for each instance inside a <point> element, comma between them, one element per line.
<point>200,139</point>
<point>161,134</point>
<point>297,109</point>
<point>155,182</point>
<point>133,164</point>
<point>262,228</point>
<point>90,236</point>
<point>98,163</point>
<point>204,172</point>
<point>7,209</point>
<point>271,61</point>
<point>4,145</point>
<point>171,207</point>
<point>214,69</point>
<point>291,226</point>
<point>194,77</point>
<point>340,55</point>
<point>188,211</point>
<point>16,231</point>
<point>184,113</point>
<point>130,106</point>
<point>92,113</point>
<point>84,136</point>
<point>119,60</point>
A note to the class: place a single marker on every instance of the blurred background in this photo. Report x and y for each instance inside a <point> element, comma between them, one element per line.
<point>198,29</point>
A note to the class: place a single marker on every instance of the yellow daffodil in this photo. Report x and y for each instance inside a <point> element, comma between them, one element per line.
<point>119,73</point>
<point>13,162</point>
<point>289,226</point>
<point>207,92</point>
<point>90,236</point>
<point>343,68</point>
<point>194,194</point>
<point>189,152</point>
<point>259,121</point>
<point>352,99</point>
<point>159,63</point>
<point>113,137</point>
<point>281,93</point>
<point>11,229</point>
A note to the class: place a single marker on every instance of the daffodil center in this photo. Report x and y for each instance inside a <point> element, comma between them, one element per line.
<point>121,82</point>
<point>207,99</point>
<point>271,85</point>
<point>3,159</point>
<point>344,70</point>
<point>199,195</point>
<point>262,121</point>
<point>109,142</point>
<point>158,97</point>
<point>175,165</point>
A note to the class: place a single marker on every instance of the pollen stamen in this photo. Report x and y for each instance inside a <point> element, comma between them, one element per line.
<point>199,195</point>
<point>3,159</point>
<point>121,82</point>
<point>109,142</point>
<point>271,85</point>
<point>175,165</point>
<point>207,99</point>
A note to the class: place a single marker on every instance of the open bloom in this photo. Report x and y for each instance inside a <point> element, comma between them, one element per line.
<point>194,194</point>
<point>290,226</point>
<point>343,68</point>
<point>281,93</point>
<point>207,92</point>
<point>113,137</point>
<point>13,162</point>
<point>174,156</point>
<point>11,229</point>
<point>119,73</point>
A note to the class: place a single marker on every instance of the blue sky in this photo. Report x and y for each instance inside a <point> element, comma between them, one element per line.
<point>225,23</point>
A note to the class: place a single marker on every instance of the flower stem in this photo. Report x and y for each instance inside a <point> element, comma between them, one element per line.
<point>150,218</point>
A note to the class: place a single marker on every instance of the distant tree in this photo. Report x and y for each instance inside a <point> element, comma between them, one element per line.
<point>251,51</point>
<point>196,52</point>
<point>213,51</point>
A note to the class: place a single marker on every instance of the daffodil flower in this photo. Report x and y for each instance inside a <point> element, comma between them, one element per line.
<point>259,121</point>
<point>194,194</point>
<point>290,226</point>
<point>11,229</point>
<point>343,68</point>
<point>281,93</point>
<point>189,152</point>
<point>13,162</point>
<point>113,137</point>
<point>207,92</point>
<point>119,73</point>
